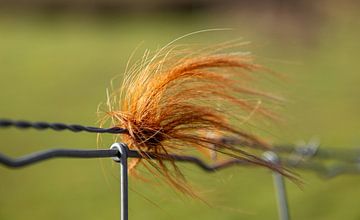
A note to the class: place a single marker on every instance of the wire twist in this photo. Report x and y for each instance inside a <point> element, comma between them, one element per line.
<point>5,123</point>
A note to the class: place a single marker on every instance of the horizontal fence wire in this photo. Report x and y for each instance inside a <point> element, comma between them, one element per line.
<point>6,123</point>
<point>55,153</point>
<point>292,161</point>
<point>329,162</point>
<point>77,153</point>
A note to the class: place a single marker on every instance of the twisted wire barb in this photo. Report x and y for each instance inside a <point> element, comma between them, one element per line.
<point>5,123</point>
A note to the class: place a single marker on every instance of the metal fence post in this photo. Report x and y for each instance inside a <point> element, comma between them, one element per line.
<point>124,200</point>
<point>279,185</point>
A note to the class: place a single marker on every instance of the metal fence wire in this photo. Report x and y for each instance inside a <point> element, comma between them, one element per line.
<point>306,156</point>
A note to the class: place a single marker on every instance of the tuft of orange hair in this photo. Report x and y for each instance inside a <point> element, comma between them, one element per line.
<point>171,99</point>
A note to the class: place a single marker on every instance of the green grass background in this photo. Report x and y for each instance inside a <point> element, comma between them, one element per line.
<point>57,67</point>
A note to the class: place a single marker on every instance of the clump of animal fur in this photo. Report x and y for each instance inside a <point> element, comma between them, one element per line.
<point>170,99</point>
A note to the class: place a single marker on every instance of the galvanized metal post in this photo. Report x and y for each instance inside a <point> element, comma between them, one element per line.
<point>124,206</point>
<point>280,189</point>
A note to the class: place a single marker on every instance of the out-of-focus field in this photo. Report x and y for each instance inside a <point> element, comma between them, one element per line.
<point>57,67</point>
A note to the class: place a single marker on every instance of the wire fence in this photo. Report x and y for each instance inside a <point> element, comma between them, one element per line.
<point>327,162</point>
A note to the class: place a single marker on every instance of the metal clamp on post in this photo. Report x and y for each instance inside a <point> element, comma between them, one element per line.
<point>122,159</point>
<point>279,187</point>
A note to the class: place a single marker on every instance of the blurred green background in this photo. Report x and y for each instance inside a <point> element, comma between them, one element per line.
<point>58,57</point>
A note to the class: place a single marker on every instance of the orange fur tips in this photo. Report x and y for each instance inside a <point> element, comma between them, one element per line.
<point>171,100</point>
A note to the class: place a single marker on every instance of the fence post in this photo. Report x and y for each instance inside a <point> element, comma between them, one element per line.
<point>279,185</point>
<point>124,200</point>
